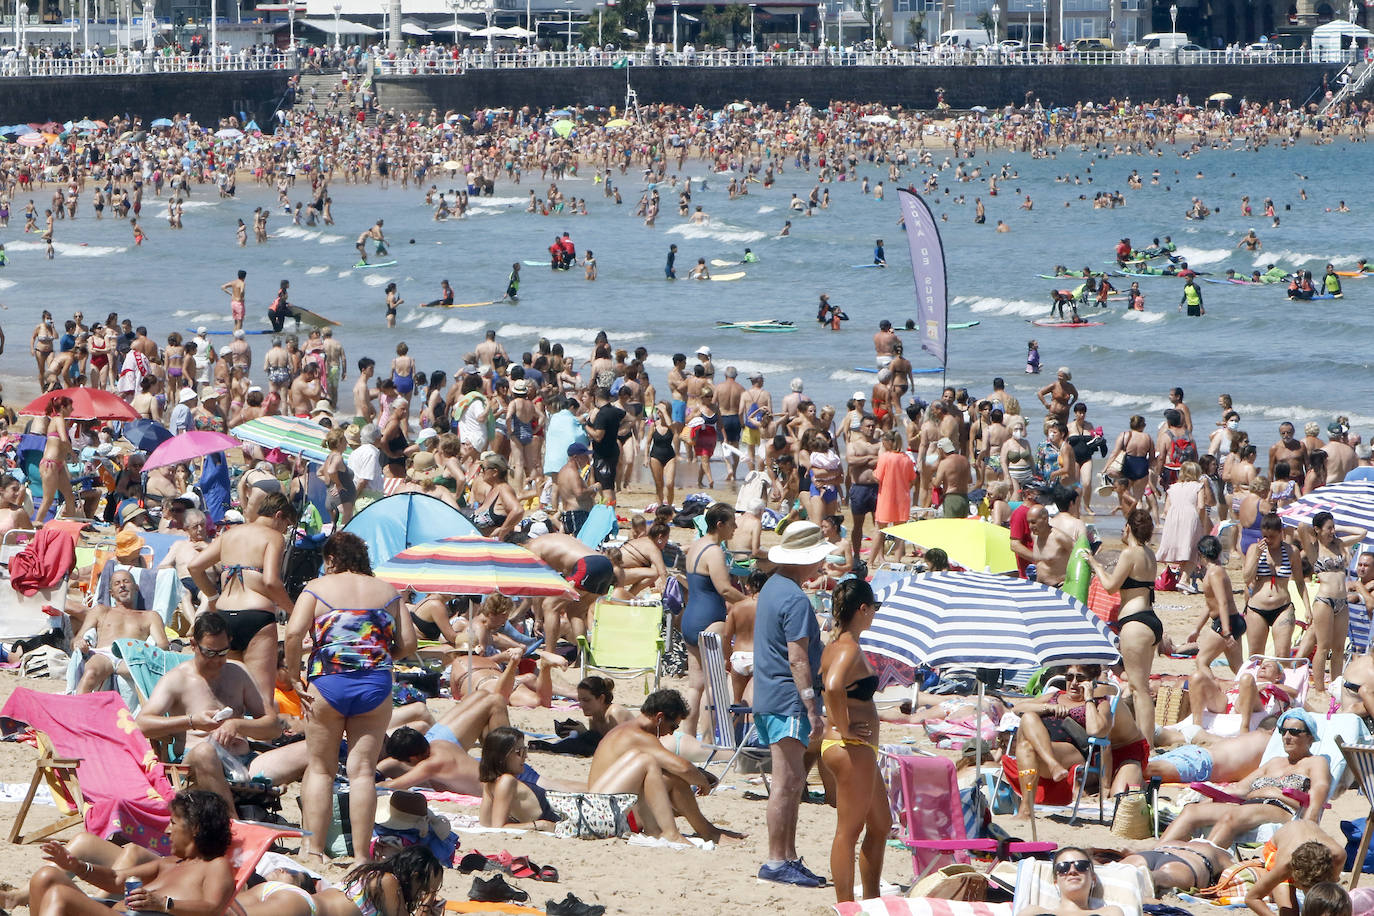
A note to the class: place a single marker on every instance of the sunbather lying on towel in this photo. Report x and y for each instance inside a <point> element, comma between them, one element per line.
<point>469,674</point>
<point>437,758</point>
<point>631,759</point>
<point>1262,691</point>
<point>1357,686</point>
<point>1208,757</point>
<point>1194,864</point>
<point>103,625</point>
<point>196,878</point>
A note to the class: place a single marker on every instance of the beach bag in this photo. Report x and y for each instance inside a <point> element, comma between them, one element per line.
<point>340,840</point>
<point>1131,819</point>
<point>46,661</point>
<point>953,882</point>
<point>592,816</point>
<point>1167,580</point>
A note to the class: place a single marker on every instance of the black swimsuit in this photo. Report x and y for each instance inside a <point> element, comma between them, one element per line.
<point>863,689</point>
<point>1148,616</point>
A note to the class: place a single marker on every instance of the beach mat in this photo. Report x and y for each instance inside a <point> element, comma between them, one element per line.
<point>474,906</point>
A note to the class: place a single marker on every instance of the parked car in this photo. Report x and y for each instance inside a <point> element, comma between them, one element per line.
<point>1263,50</point>
<point>1093,45</point>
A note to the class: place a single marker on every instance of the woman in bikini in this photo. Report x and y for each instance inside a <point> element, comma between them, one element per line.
<point>1075,882</point>
<point>358,628</point>
<point>146,402</point>
<point>41,343</point>
<point>849,746</point>
<point>1054,730</point>
<point>52,467</point>
<point>251,589</point>
<point>510,795</point>
<point>1140,629</point>
<point>1327,547</point>
<point>399,886</point>
<point>500,511</point>
<point>1015,457</point>
<point>174,359</point>
<point>1184,865</point>
<point>1220,626</point>
<point>1269,566</point>
<point>1269,792</point>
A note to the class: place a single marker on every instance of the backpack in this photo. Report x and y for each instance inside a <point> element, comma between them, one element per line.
<point>1181,449</point>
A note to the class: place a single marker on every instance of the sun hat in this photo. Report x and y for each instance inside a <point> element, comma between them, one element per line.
<point>322,406</point>
<point>423,467</point>
<point>353,436</point>
<point>429,432</point>
<point>410,811</point>
<point>946,445</point>
<point>519,387</point>
<point>703,350</point>
<point>127,543</point>
<point>186,396</point>
<point>801,545</point>
<point>129,510</point>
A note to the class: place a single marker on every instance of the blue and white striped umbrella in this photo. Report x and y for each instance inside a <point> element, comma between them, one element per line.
<point>985,620</point>
<point>1350,502</point>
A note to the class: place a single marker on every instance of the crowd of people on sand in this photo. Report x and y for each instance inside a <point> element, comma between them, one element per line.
<point>527,447</point>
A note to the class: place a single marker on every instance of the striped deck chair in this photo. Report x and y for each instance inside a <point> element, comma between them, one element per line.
<point>1359,631</point>
<point>730,733</point>
<point>1359,759</point>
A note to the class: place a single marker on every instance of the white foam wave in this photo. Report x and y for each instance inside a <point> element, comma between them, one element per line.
<point>326,239</point>
<point>964,300</point>
<point>767,209</point>
<point>317,269</point>
<point>744,365</point>
<point>1143,317</point>
<point>376,280</point>
<point>490,203</point>
<point>459,326</point>
<point>205,317</point>
<point>564,335</point>
<point>1199,256</point>
<point>995,306</point>
<point>198,204</point>
<point>1284,257</point>
<point>296,232</point>
<point>1142,404</point>
<point>7,284</point>
<point>70,250</point>
<point>719,232</point>
<point>427,321</point>
<point>344,273</point>
<point>850,377</point>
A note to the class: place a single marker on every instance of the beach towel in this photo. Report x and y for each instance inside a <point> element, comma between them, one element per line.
<point>147,664</point>
<point>125,787</point>
<point>474,906</point>
<point>920,906</point>
<point>44,561</point>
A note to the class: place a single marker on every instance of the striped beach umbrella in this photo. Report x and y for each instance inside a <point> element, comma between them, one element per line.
<point>472,565</point>
<point>1350,502</point>
<point>989,621</point>
<point>292,435</point>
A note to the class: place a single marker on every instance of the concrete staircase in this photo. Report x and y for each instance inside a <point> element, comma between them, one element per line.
<point>1356,86</point>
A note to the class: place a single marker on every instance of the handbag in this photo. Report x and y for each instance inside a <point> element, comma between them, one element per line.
<point>592,816</point>
<point>953,882</point>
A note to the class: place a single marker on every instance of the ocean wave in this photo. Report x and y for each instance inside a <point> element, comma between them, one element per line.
<point>850,377</point>
<point>459,326</point>
<point>198,204</point>
<point>576,335</point>
<point>745,365</point>
<point>767,209</point>
<point>1142,404</point>
<point>317,269</point>
<point>1284,257</point>
<point>7,284</point>
<point>344,273</point>
<point>424,321</point>
<point>326,239</point>
<point>995,306</point>
<point>1199,256</point>
<point>719,232</point>
<point>486,203</point>
<point>1143,317</point>
<point>69,249</point>
<point>376,280</point>
<point>296,232</point>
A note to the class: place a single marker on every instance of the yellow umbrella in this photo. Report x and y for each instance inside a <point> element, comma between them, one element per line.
<point>617,122</point>
<point>972,543</point>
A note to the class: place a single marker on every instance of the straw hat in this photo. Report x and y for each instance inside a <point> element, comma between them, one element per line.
<point>353,436</point>
<point>423,468</point>
<point>322,407</point>
<point>127,543</point>
<point>801,545</point>
<point>409,811</point>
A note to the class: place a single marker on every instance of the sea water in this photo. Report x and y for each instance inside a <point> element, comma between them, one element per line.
<point>1281,360</point>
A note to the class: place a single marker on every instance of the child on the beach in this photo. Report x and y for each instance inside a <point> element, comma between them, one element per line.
<point>1033,358</point>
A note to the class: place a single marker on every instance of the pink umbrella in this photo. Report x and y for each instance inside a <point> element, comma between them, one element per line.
<point>191,444</point>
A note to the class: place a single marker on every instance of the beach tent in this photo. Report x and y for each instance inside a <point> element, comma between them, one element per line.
<point>1328,41</point>
<point>394,523</point>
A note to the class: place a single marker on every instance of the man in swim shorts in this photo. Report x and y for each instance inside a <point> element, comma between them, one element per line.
<point>104,625</point>
<point>591,573</point>
<point>235,289</point>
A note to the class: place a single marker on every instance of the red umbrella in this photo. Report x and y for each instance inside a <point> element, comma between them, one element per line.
<point>87,404</point>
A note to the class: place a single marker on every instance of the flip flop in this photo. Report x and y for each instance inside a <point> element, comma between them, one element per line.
<point>473,861</point>
<point>546,873</point>
<point>520,867</point>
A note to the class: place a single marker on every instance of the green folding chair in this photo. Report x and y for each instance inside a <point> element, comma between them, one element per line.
<point>623,641</point>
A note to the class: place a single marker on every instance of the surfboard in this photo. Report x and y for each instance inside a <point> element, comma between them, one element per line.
<point>1318,296</point>
<point>463,305</point>
<point>726,278</point>
<point>934,370</point>
<point>1047,323</point>
<point>536,263</point>
<point>959,325</point>
<point>768,328</point>
<point>361,266</point>
<point>314,319</point>
<point>727,325</point>
<point>191,331</point>
<point>862,266</point>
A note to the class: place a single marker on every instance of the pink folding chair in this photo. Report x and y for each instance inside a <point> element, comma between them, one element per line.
<point>932,819</point>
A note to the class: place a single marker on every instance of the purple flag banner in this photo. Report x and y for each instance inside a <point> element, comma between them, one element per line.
<point>928,271</point>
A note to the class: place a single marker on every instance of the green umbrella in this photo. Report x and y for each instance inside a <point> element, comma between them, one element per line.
<point>563,127</point>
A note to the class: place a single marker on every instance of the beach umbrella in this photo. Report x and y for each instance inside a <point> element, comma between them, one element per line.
<point>1350,502</point>
<point>145,435</point>
<point>87,404</point>
<point>970,542</point>
<point>617,122</point>
<point>86,124</point>
<point>229,133</point>
<point>161,122</point>
<point>472,565</point>
<point>189,445</point>
<point>290,434</point>
<point>989,621</point>
<point>561,128</point>
<point>32,140</point>
<point>1219,97</point>
<point>560,113</point>
<point>453,165</point>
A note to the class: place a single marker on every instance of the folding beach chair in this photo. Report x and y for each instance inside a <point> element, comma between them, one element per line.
<point>249,841</point>
<point>1228,724</point>
<point>933,822</point>
<point>624,640</point>
<point>22,616</point>
<point>60,775</point>
<point>731,726</point>
<point>1359,759</point>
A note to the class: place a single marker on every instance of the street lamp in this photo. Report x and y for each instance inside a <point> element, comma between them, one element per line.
<point>996,35</point>
<point>291,25</point>
<point>85,28</point>
<point>1352,11</point>
<point>751,25</point>
<point>338,10</point>
<point>675,5</point>
<point>21,16</point>
<point>1173,18</point>
<point>821,9</point>
<point>1044,25</point>
<point>649,9</point>
<point>600,8</point>
<point>490,11</point>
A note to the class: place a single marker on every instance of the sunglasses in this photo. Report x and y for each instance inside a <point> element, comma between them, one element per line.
<point>1075,676</point>
<point>213,653</point>
<point>1082,866</point>
<point>1295,732</point>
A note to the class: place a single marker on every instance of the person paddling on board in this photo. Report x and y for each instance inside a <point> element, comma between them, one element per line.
<point>374,233</point>
<point>879,256</point>
<point>749,257</point>
<point>445,295</point>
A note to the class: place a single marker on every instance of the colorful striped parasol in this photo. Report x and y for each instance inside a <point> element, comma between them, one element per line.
<point>290,434</point>
<point>471,565</point>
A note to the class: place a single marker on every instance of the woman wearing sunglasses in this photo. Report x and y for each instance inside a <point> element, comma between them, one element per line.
<point>1054,731</point>
<point>1274,793</point>
<point>1075,881</point>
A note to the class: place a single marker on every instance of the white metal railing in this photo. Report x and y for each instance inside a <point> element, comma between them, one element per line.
<point>446,63</point>
<point>136,62</point>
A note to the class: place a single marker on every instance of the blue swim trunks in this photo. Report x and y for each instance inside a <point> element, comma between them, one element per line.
<point>1193,762</point>
<point>441,732</point>
<point>773,729</point>
<point>679,411</point>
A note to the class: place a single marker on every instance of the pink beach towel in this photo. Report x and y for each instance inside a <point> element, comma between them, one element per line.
<point>123,782</point>
<point>920,906</point>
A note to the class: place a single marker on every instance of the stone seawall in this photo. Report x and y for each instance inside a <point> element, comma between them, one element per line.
<point>207,97</point>
<point>965,86</point>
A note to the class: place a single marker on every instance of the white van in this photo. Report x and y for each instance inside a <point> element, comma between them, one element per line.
<point>1163,41</point>
<point>958,38</point>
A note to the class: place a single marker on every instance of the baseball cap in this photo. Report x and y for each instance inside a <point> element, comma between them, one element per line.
<point>946,445</point>
<point>202,330</point>
<point>429,432</point>
<point>756,376</point>
<point>858,396</point>
<point>577,448</point>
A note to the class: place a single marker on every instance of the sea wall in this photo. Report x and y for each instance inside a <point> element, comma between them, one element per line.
<point>207,97</point>
<point>965,86</point>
